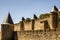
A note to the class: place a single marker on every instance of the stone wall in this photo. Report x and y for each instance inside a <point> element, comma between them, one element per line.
<point>39,35</point>
<point>17,27</point>
<point>0,35</point>
<point>7,31</point>
<point>33,30</point>
<point>28,26</point>
<point>38,25</point>
<point>50,21</point>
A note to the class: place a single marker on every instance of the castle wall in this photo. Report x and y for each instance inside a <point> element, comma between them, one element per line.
<point>17,27</point>
<point>7,31</point>
<point>0,35</point>
<point>36,29</point>
<point>28,26</point>
<point>59,25</point>
<point>50,21</point>
<point>38,25</point>
<point>39,35</point>
<point>59,20</point>
<point>15,37</point>
<point>58,14</point>
<point>28,35</point>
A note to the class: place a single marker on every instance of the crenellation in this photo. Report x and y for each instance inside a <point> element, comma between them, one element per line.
<point>35,17</point>
<point>28,26</point>
<point>38,25</point>
<point>21,26</point>
<point>17,27</point>
<point>34,29</point>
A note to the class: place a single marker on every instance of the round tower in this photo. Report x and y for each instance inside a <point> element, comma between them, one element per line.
<point>54,17</point>
<point>7,28</point>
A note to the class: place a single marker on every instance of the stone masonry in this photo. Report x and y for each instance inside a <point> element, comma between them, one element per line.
<point>37,29</point>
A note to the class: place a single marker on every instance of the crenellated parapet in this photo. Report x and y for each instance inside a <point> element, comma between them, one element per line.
<point>50,22</point>
<point>32,29</point>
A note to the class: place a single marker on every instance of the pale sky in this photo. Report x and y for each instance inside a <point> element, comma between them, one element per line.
<point>25,8</point>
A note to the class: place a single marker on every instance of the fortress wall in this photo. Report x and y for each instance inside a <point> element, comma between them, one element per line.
<point>28,35</point>
<point>59,14</point>
<point>28,26</point>
<point>59,20</point>
<point>17,27</point>
<point>0,35</point>
<point>38,25</point>
<point>39,35</point>
<point>59,24</point>
<point>50,22</point>
<point>7,30</point>
<point>15,37</point>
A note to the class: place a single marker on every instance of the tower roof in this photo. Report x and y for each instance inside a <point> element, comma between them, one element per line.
<point>8,19</point>
<point>23,19</point>
<point>34,16</point>
<point>54,8</point>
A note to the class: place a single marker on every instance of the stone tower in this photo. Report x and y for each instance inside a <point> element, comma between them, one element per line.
<point>33,21</point>
<point>7,28</point>
<point>54,17</point>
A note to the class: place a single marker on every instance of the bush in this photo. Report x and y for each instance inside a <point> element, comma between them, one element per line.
<point>28,19</point>
<point>42,16</point>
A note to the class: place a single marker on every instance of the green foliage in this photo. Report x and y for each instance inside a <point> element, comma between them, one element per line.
<point>42,16</point>
<point>28,19</point>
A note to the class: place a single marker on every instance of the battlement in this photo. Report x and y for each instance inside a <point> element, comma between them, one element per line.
<point>36,23</point>
<point>32,29</point>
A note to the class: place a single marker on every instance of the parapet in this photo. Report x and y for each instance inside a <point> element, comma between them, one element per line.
<point>32,24</point>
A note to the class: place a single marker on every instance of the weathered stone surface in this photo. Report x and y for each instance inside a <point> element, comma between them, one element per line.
<point>39,35</point>
<point>37,29</point>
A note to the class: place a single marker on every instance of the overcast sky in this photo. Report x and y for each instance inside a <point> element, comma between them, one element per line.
<point>25,8</point>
